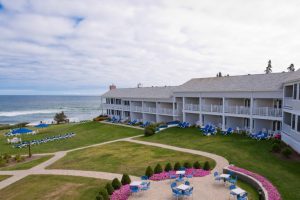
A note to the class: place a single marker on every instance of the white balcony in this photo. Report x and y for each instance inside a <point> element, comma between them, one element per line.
<point>289,131</point>
<point>165,111</point>
<point>268,111</point>
<point>239,110</point>
<point>126,108</point>
<point>149,110</point>
<point>136,109</point>
<point>192,107</point>
<point>112,106</point>
<point>212,108</point>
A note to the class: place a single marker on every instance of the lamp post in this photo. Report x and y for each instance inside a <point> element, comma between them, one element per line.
<point>29,150</point>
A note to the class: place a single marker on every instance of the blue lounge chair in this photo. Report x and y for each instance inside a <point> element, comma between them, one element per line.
<point>205,128</point>
<point>228,132</point>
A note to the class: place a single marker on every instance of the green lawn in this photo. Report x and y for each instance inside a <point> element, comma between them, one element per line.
<point>50,187</point>
<point>86,134</point>
<point>124,157</point>
<point>3,177</point>
<point>27,165</point>
<point>241,151</point>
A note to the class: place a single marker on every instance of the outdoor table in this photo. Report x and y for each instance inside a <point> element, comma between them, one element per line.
<point>136,183</point>
<point>180,172</point>
<point>224,176</point>
<point>183,187</point>
<point>238,191</point>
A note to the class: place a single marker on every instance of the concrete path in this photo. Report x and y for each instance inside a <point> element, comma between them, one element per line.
<point>205,187</point>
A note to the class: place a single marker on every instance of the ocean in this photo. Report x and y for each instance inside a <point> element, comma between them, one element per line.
<point>18,108</point>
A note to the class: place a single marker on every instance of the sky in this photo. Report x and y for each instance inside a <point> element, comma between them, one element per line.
<point>81,47</point>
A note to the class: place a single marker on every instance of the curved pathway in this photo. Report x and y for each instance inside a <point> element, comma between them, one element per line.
<point>205,188</point>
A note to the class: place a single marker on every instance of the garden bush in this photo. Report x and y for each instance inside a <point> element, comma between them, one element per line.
<point>206,166</point>
<point>287,151</point>
<point>276,148</point>
<point>2,162</point>
<point>149,130</point>
<point>158,169</point>
<point>187,165</point>
<point>104,194</point>
<point>6,157</point>
<point>99,197</point>
<point>149,171</point>
<point>19,158</point>
<point>116,184</point>
<point>177,166</point>
<point>109,188</point>
<point>197,165</point>
<point>168,167</point>
<point>125,179</point>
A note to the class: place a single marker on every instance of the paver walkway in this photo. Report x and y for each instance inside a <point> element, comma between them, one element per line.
<point>205,188</point>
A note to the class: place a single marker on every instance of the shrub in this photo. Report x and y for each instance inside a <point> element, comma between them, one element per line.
<point>125,179</point>
<point>19,158</point>
<point>197,165</point>
<point>104,194</point>
<point>177,166</point>
<point>2,162</point>
<point>275,141</point>
<point>149,171</point>
<point>187,165</point>
<point>168,167</point>
<point>149,130</point>
<point>116,184</point>
<point>276,148</point>
<point>99,197</point>
<point>109,188</point>
<point>158,169</point>
<point>6,157</point>
<point>206,166</point>
<point>287,152</point>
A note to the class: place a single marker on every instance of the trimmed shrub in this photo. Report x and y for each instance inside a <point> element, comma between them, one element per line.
<point>19,158</point>
<point>99,197</point>
<point>104,194</point>
<point>177,166</point>
<point>206,166</point>
<point>109,188</point>
<point>149,171</point>
<point>276,148</point>
<point>187,165</point>
<point>197,165</point>
<point>168,167</point>
<point>149,130</point>
<point>116,184</point>
<point>287,152</point>
<point>125,179</point>
<point>158,169</point>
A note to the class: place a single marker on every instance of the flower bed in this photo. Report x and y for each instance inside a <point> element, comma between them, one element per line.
<point>191,171</point>
<point>121,194</point>
<point>273,193</point>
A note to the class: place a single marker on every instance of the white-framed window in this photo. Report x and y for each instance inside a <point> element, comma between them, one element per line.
<point>298,124</point>
<point>299,91</point>
<point>287,117</point>
<point>294,122</point>
<point>295,91</point>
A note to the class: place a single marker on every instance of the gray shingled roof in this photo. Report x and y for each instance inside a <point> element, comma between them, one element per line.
<point>256,82</point>
<point>294,76</point>
<point>142,92</point>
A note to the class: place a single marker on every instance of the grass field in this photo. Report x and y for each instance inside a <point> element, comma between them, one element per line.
<point>241,151</point>
<point>50,187</point>
<point>86,134</point>
<point>3,177</point>
<point>124,157</point>
<point>27,165</point>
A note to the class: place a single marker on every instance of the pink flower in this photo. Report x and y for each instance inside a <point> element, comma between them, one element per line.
<point>121,194</point>
<point>273,193</point>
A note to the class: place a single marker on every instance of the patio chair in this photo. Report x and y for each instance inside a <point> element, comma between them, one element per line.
<point>217,177</point>
<point>134,189</point>
<point>233,180</point>
<point>187,183</point>
<point>144,178</point>
<point>243,197</point>
<point>174,184</point>
<point>188,192</point>
<point>176,193</point>
<point>227,132</point>
<point>231,187</point>
<point>145,186</point>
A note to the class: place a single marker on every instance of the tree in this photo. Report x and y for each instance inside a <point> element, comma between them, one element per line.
<point>168,167</point>
<point>291,68</point>
<point>269,68</point>
<point>219,74</point>
<point>158,169</point>
<point>125,179</point>
<point>109,188</point>
<point>116,184</point>
<point>149,172</point>
<point>60,117</point>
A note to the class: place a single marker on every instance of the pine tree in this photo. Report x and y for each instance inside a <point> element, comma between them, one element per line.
<point>291,68</point>
<point>269,68</point>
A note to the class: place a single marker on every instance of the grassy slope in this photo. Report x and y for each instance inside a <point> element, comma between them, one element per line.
<point>49,187</point>
<point>124,157</point>
<point>26,165</point>
<point>2,177</point>
<point>241,151</point>
<point>86,134</point>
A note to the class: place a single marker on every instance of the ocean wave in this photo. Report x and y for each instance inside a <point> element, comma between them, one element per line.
<point>26,112</point>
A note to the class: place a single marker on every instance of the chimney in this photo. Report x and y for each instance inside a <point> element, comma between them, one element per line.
<point>112,87</point>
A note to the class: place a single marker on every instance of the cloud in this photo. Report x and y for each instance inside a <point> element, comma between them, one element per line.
<point>63,46</point>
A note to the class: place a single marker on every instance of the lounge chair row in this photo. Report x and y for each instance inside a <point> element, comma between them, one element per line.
<point>260,136</point>
<point>45,140</point>
<point>184,125</point>
<point>208,130</point>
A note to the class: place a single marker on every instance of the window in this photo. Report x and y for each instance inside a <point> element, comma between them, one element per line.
<point>294,122</point>
<point>295,91</point>
<point>298,125</point>
<point>287,118</point>
<point>299,92</point>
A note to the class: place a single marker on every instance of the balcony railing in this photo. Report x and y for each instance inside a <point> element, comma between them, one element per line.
<point>112,106</point>
<point>126,108</point>
<point>192,107</point>
<point>136,109</point>
<point>212,108</point>
<point>149,110</point>
<point>240,110</point>
<point>289,131</point>
<point>268,111</point>
<point>165,111</point>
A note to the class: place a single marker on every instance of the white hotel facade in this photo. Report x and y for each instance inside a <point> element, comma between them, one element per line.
<point>269,102</point>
